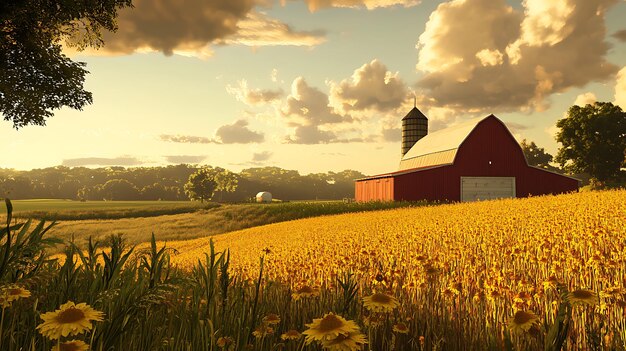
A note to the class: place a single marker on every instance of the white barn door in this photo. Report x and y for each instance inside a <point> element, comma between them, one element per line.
<point>487,188</point>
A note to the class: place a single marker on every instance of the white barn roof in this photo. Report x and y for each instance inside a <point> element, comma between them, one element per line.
<point>440,147</point>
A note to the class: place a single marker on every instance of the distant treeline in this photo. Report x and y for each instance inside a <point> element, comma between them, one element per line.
<point>166,183</point>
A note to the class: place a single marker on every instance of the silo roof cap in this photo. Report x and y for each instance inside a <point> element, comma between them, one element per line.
<point>415,114</point>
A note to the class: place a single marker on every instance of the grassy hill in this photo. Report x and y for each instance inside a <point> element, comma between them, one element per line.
<point>175,220</point>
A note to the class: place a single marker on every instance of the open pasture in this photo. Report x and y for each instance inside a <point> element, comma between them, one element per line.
<point>59,209</point>
<point>137,220</point>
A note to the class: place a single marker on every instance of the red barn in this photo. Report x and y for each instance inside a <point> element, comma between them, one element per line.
<point>476,160</point>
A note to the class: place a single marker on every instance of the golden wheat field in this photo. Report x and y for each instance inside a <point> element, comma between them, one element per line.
<point>478,263</point>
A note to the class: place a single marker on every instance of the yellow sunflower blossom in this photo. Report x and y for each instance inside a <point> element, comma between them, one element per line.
<point>522,321</point>
<point>271,319</point>
<point>352,341</point>
<point>291,335</point>
<point>582,297</point>
<point>329,327</point>
<point>69,319</point>
<point>72,345</point>
<point>305,291</point>
<point>380,302</point>
<point>262,331</point>
<point>224,341</point>
<point>400,328</point>
<point>10,293</point>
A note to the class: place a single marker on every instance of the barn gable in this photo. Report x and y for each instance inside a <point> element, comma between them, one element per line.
<point>438,148</point>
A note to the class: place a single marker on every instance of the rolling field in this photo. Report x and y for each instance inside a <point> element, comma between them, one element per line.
<point>461,271</point>
<point>56,209</point>
<point>173,220</point>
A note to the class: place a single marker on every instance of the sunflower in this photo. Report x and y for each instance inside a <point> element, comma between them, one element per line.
<point>262,331</point>
<point>346,342</point>
<point>522,321</point>
<point>271,319</point>
<point>72,345</point>
<point>305,291</point>
<point>329,327</point>
<point>224,341</point>
<point>613,292</point>
<point>69,319</point>
<point>400,328</point>
<point>582,297</point>
<point>380,302</point>
<point>291,335</point>
<point>10,293</point>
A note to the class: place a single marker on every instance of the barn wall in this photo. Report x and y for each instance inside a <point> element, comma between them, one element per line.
<point>432,185</point>
<point>539,182</point>
<point>380,189</point>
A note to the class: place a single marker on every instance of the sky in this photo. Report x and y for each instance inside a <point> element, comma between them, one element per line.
<point>322,85</point>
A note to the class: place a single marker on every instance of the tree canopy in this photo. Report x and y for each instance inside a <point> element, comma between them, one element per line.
<point>167,183</point>
<point>537,156</point>
<point>35,76</point>
<point>593,139</point>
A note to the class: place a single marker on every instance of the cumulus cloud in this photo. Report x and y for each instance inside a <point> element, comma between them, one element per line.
<point>169,27</point>
<point>185,139</point>
<point>184,159</point>
<point>237,133</point>
<point>479,55</point>
<point>315,5</point>
<point>254,97</point>
<point>515,127</point>
<point>371,87</point>
<point>306,109</point>
<point>586,98</point>
<point>259,30</point>
<point>261,156</point>
<point>620,35</point>
<point>189,29</point>
<point>102,161</point>
<point>620,89</point>
<point>392,135</point>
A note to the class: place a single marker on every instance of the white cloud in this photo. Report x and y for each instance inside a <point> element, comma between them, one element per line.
<point>238,133</point>
<point>306,110</point>
<point>584,99</point>
<point>620,89</point>
<point>371,87</point>
<point>490,57</point>
<point>315,5</point>
<point>254,97</point>
<point>259,30</point>
<point>192,28</point>
<point>481,55</point>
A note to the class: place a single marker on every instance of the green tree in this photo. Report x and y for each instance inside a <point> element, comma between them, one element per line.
<point>537,156</point>
<point>120,189</point>
<point>594,140</point>
<point>35,76</point>
<point>226,181</point>
<point>201,185</point>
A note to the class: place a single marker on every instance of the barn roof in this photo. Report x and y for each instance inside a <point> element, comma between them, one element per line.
<point>439,148</point>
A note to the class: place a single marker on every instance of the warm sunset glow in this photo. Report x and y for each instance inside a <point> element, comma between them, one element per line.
<point>260,83</point>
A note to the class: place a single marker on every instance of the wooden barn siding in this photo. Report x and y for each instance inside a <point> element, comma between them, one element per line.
<point>381,189</point>
<point>490,141</point>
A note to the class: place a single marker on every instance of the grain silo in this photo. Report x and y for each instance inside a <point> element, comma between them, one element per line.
<point>414,128</point>
<point>264,197</point>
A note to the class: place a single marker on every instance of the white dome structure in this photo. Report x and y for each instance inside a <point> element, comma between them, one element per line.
<point>264,196</point>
